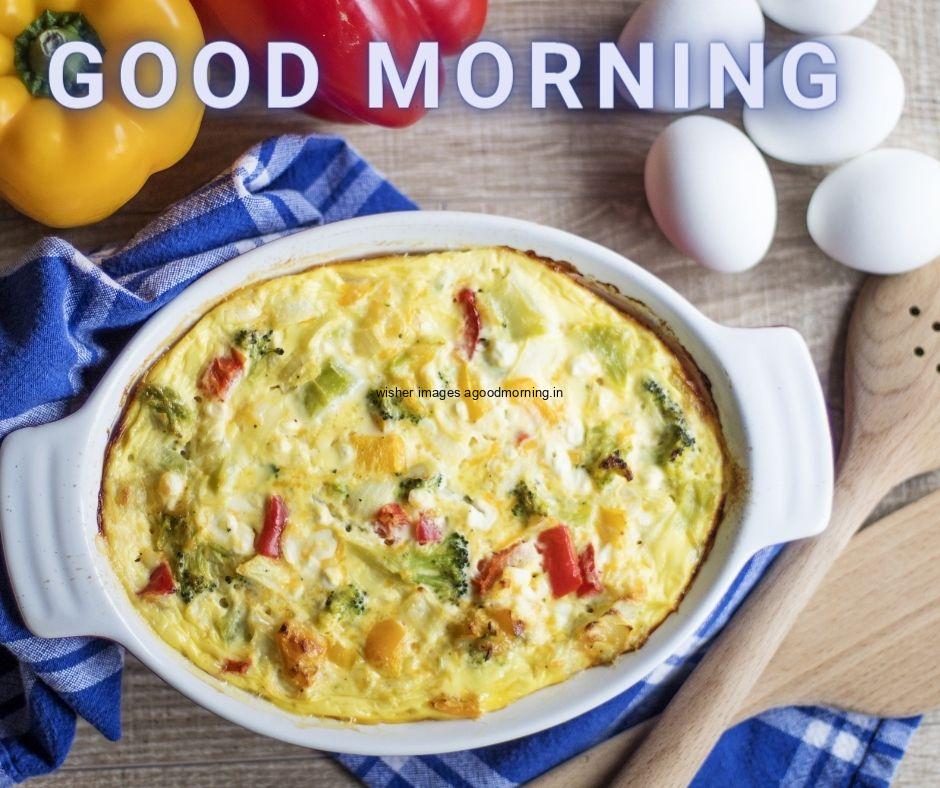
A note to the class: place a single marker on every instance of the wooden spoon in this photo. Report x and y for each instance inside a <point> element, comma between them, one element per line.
<point>866,642</point>
<point>892,394</point>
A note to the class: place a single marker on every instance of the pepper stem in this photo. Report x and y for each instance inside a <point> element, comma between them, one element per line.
<point>34,47</point>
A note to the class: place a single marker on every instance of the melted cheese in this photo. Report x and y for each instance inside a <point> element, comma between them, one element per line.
<point>190,474</point>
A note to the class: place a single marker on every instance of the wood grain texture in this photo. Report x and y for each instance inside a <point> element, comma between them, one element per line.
<point>581,171</point>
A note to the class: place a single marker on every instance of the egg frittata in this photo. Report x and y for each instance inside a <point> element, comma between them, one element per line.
<point>412,487</point>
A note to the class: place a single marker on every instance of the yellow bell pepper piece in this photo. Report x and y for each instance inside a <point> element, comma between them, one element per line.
<point>66,167</point>
<point>546,411</point>
<point>468,382</point>
<point>385,645</point>
<point>342,656</point>
<point>612,525</point>
<point>379,453</point>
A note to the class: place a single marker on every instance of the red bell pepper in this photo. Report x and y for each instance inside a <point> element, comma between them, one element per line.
<point>222,374</point>
<point>160,582</point>
<point>390,521</point>
<point>590,579</point>
<point>472,323</point>
<point>236,666</point>
<point>427,529</point>
<point>560,560</point>
<point>268,542</point>
<point>490,570</point>
<point>338,33</point>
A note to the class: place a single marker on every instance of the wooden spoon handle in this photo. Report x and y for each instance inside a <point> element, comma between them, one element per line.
<point>707,703</point>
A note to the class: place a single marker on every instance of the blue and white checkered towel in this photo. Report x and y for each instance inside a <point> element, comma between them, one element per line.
<point>62,317</point>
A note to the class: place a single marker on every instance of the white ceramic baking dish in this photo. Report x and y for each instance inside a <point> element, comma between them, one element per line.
<point>764,385</point>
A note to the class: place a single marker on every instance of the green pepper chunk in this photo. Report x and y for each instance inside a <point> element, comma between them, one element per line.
<point>522,317</point>
<point>330,383</point>
<point>612,350</point>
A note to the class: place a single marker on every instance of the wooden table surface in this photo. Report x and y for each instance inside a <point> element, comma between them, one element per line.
<point>581,171</point>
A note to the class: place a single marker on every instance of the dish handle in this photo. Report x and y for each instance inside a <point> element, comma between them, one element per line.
<point>785,433</point>
<point>47,541</point>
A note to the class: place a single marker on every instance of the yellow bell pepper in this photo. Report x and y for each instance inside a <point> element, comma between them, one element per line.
<point>546,411</point>
<point>66,167</point>
<point>379,453</point>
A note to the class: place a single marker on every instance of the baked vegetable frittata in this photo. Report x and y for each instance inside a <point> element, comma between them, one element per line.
<point>412,487</point>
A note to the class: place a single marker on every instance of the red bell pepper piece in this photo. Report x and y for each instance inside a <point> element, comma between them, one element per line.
<point>160,582</point>
<point>560,560</point>
<point>472,324</point>
<point>427,530</point>
<point>390,521</point>
<point>236,666</point>
<point>590,580</point>
<point>268,541</point>
<point>338,33</point>
<point>490,570</point>
<point>221,374</point>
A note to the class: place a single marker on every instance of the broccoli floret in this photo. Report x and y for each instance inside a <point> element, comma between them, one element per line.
<point>196,568</point>
<point>194,574</point>
<point>257,344</point>
<point>386,407</point>
<point>615,463</point>
<point>677,437</point>
<point>525,502</point>
<point>166,407</point>
<point>170,532</point>
<point>346,602</point>
<point>442,567</point>
<point>405,486</point>
<point>603,458</point>
<point>199,570</point>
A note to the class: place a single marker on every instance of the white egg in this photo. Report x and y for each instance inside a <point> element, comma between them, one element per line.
<point>737,23</point>
<point>819,17</point>
<point>711,193</point>
<point>879,213</point>
<point>870,98</point>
